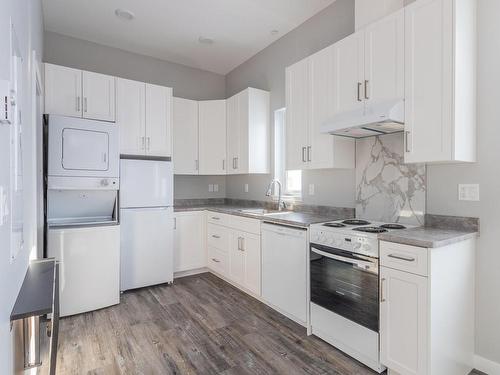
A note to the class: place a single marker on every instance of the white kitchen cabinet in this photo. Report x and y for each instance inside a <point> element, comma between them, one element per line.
<point>245,260</point>
<point>248,132</point>
<point>440,81</point>
<point>186,160</point>
<point>98,92</point>
<point>144,115</point>
<point>189,241</point>
<point>310,98</point>
<point>77,93</point>
<point>426,311</point>
<point>130,116</point>
<point>384,59</point>
<point>403,323</point>
<point>212,137</point>
<point>159,114</point>
<point>63,90</point>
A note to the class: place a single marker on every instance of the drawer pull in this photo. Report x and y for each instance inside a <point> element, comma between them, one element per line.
<point>401,257</point>
<point>215,218</point>
<point>216,260</point>
<point>382,297</point>
<point>215,236</point>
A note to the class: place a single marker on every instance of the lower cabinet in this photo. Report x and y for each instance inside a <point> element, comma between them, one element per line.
<point>189,241</point>
<point>403,321</point>
<point>245,260</point>
<point>427,308</point>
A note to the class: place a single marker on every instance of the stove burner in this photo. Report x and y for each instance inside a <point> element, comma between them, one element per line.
<point>334,225</point>
<point>371,229</point>
<point>393,226</point>
<point>356,222</point>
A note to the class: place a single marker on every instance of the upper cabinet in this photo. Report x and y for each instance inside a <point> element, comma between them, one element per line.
<point>186,136</point>
<point>440,81</point>
<point>248,132</point>
<point>212,137</point>
<point>72,92</point>
<point>311,98</point>
<point>144,114</point>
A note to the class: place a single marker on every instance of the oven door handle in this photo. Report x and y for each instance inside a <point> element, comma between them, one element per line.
<point>356,262</point>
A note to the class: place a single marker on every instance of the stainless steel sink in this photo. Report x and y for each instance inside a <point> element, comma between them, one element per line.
<point>263,212</point>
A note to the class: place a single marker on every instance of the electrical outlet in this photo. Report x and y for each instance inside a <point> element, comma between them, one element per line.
<point>468,192</point>
<point>311,189</point>
<point>216,187</point>
<point>246,188</point>
<point>210,188</point>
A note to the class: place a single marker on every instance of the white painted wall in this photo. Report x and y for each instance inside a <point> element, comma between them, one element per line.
<point>27,18</point>
<point>442,195</point>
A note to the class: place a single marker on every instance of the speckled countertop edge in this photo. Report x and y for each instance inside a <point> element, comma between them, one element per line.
<point>428,237</point>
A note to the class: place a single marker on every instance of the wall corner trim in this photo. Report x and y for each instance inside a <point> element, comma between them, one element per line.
<point>485,365</point>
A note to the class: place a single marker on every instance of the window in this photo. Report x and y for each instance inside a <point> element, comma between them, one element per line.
<point>291,180</point>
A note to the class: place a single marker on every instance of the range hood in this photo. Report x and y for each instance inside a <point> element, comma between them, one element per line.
<point>383,117</point>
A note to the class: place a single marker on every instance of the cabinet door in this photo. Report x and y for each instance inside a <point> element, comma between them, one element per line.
<point>185,136</point>
<point>63,91</point>
<point>349,73</point>
<point>403,321</point>
<point>384,59</point>
<point>98,96</point>
<point>233,133</point>
<point>130,116</point>
<point>237,259</point>
<point>250,245</point>
<point>158,120</point>
<point>428,80</point>
<point>297,114</point>
<point>212,137</point>
<point>244,109</point>
<point>189,241</point>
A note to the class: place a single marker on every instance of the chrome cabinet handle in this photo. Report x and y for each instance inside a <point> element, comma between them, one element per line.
<point>197,164</point>
<point>85,104</point>
<point>215,218</point>
<point>366,89</point>
<point>175,223</point>
<point>223,164</point>
<point>401,257</point>
<point>234,163</point>
<point>308,153</point>
<point>215,236</point>
<point>237,160</point>
<point>407,141</point>
<point>304,149</point>
<point>216,260</point>
<point>143,143</point>
<point>242,244</point>
<point>77,104</point>
<point>148,143</point>
<point>359,89</point>
<point>382,297</point>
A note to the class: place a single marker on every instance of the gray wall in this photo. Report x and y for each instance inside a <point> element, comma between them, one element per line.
<point>186,187</point>
<point>266,70</point>
<point>26,16</point>
<point>443,180</point>
<point>187,82</point>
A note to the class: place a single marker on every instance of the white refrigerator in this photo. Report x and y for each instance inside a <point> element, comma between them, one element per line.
<point>146,219</point>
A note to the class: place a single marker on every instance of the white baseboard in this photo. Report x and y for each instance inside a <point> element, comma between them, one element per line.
<point>486,366</point>
<point>190,272</point>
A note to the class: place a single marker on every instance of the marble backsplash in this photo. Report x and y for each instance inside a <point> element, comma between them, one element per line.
<point>387,189</point>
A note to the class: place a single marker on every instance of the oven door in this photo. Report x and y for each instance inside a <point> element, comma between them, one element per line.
<point>345,283</point>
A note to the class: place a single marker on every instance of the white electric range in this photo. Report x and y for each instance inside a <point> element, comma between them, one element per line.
<point>344,286</point>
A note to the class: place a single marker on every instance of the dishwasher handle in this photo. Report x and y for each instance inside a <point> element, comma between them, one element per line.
<point>283,230</point>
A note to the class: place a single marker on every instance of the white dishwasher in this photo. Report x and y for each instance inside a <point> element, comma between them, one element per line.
<point>284,270</point>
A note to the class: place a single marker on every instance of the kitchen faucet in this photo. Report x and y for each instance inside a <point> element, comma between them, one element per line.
<point>281,203</point>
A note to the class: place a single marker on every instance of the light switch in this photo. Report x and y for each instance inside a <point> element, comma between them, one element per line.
<point>311,189</point>
<point>468,192</point>
<point>246,188</point>
<point>216,187</point>
<point>211,188</point>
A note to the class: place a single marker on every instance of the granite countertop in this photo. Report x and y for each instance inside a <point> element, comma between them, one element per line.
<point>429,237</point>
<point>293,218</point>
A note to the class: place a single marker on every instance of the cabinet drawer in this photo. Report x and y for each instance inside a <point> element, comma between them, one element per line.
<point>245,224</point>
<point>218,261</point>
<point>404,257</point>
<point>218,218</point>
<point>218,237</point>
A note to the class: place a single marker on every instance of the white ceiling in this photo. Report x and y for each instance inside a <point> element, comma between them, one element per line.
<point>169,29</point>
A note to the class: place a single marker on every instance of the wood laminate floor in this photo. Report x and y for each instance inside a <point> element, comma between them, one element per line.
<point>199,325</point>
